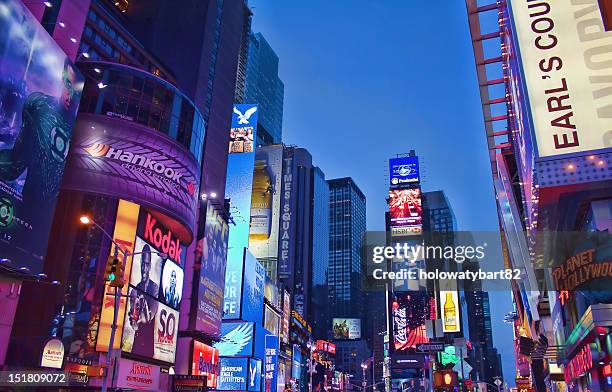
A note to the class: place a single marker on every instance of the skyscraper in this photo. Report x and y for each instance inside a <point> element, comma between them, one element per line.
<point>438,215</point>
<point>347,223</point>
<point>263,86</point>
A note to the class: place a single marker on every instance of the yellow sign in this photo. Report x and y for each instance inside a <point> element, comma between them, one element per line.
<point>124,235</point>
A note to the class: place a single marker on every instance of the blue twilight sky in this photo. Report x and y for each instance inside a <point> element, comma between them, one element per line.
<point>365,80</point>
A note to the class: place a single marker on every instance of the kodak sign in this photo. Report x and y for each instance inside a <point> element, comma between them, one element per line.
<point>162,239</point>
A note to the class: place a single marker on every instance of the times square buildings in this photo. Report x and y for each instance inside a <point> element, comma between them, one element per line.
<point>543,69</point>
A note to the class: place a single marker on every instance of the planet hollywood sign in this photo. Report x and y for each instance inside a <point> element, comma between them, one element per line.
<point>579,365</point>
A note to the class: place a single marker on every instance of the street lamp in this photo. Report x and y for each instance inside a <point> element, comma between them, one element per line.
<point>311,348</point>
<point>87,220</point>
<point>364,366</point>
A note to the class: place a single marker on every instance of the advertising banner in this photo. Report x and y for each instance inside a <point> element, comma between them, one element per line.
<point>124,234</point>
<point>346,329</point>
<point>254,384</point>
<point>271,320</point>
<point>402,171</point>
<point>244,128</point>
<point>233,374</point>
<point>171,284</point>
<point>405,207</point>
<point>286,316</point>
<point>410,311</point>
<point>238,190</point>
<point>146,268</point>
<point>271,363</point>
<point>449,309</point>
<point>296,363</point>
<point>52,354</point>
<point>133,162</point>
<point>236,339</point>
<point>253,284</point>
<point>563,49</point>
<point>205,362</point>
<point>266,206</point>
<point>288,205</point>
<point>137,375</point>
<point>40,91</point>
<point>213,248</point>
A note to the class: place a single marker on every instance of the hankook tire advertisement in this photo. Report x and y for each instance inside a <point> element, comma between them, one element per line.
<point>128,161</point>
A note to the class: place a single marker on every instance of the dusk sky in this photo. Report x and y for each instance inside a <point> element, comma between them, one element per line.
<point>367,80</point>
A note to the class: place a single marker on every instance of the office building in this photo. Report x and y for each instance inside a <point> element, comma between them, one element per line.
<point>347,224</point>
<point>263,86</point>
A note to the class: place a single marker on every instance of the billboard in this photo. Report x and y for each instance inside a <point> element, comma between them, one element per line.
<point>171,284</point>
<point>205,362</point>
<point>271,363</point>
<point>271,320</point>
<point>405,207</point>
<point>296,363</point>
<point>212,251</point>
<point>285,321</point>
<point>402,171</point>
<point>244,128</point>
<point>137,375</point>
<point>133,162</point>
<point>233,374</point>
<point>146,268</point>
<point>410,311</point>
<point>449,309</point>
<point>265,206</point>
<point>346,329</point>
<point>126,226</point>
<point>236,339</point>
<point>254,379</point>
<point>563,50</point>
<point>40,91</point>
<point>253,276</point>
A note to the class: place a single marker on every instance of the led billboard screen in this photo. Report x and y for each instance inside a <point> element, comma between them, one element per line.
<point>410,311</point>
<point>271,363</point>
<point>405,207</point>
<point>244,127</point>
<point>233,374</point>
<point>253,284</point>
<point>236,339</point>
<point>346,329</point>
<point>205,362</point>
<point>449,309</point>
<point>563,48</point>
<point>40,91</point>
<point>402,171</point>
<point>171,284</point>
<point>146,268</point>
<point>212,251</point>
<point>254,379</point>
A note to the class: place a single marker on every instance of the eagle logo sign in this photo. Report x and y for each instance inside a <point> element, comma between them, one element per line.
<point>244,118</point>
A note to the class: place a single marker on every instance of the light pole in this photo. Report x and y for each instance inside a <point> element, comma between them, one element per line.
<point>86,220</point>
<point>364,366</point>
<point>311,348</point>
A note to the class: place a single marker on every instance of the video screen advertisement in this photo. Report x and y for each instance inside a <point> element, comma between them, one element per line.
<point>403,171</point>
<point>212,251</point>
<point>233,374</point>
<point>410,311</point>
<point>239,182</point>
<point>236,339</point>
<point>156,281</point>
<point>265,206</point>
<point>244,127</point>
<point>271,363</point>
<point>346,329</point>
<point>244,290</point>
<point>405,207</point>
<point>40,91</point>
<point>205,362</point>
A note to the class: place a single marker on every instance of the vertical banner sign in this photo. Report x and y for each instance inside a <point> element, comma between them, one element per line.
<point>213,248</point>
<point>449,309</point>
<point>205,362</point>
<point>286,315</point>
<point>234,373</point>
<point>254,375</point>
<point>286,245</point>
<point>124,234</point>
<point>39,97</point>
<point>240,164</point>
<point>271,363</point>
<point>565,53</point>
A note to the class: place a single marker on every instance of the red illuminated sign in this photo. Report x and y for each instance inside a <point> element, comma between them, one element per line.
<point>580,364</point>
<point>323,345</point>
<point>205,362</point>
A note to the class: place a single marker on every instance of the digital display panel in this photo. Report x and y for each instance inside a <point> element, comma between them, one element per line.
<point>346,329</point>
<point>405,207</point>
<point>410,310</point>
<point>205,362</point>
<point>244,127</point>
<point>171,284</point>
<point>236,339</point>
<point>404,170</point>
<point>40,90</point>
<point>254,276</point>
<point>449,309</point>
<point>233,374</point>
